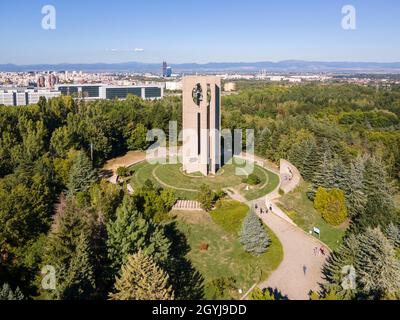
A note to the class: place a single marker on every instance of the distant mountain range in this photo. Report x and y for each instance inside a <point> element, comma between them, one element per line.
<point>242,67</point>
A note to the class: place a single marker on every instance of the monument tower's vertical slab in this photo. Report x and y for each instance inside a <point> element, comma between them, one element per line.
<point>201,149</point>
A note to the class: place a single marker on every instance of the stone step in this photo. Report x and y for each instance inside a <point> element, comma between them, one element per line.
<point>187,205</point>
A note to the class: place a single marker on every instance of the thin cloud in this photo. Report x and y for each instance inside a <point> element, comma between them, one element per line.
<point>126,50</point>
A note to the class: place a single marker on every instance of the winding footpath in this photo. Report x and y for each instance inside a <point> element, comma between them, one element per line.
<point>300,270</point>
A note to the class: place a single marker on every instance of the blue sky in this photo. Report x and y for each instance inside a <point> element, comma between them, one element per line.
<point>198,31</point>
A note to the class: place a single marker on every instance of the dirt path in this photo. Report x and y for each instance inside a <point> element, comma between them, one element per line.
<point>131,158</point>
<point>111,166</point>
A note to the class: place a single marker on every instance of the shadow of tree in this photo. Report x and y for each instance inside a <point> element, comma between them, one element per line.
<point>187,282</point>
<point>105,174</point>
<point>278,295</point>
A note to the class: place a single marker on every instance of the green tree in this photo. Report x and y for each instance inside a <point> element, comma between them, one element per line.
<point>80,281</point>
<point>33,138</point>
<point>6,293</point>
<point>163,203</point>
<point>7,142</point>
<point>310,159</point>
<point>324,170</point>
<point>81,175</point>
<point>105,198</point>
<point>392,232</point>
<point>355,196</point>
<point>142,279</point>
<point>377,265</point>
<point>67,250</point>
<point>340,174</point>
<point>61,142</point>
<point>328,295</point>
<point>259,294</point>
<point>62,167</point>
<point>252,179</point>
<point>130,232</point>
<point>25,208</point>
<point>221,288</point>
<point>331,205</point>
<point>338,266</point>
<point>137,139</point>
<point>253,236</point>
<point>206,197</point>
<point>379,208</point>
<point>123,172</point>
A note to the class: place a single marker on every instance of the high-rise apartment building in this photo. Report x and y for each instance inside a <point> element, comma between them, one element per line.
<point>164,69</point>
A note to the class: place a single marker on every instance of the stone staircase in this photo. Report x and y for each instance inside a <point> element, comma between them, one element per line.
<point>187,205</point>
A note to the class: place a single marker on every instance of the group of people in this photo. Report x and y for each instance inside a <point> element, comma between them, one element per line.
<point>319,251</point>
<point>289,176</point>
<point>262,210</point>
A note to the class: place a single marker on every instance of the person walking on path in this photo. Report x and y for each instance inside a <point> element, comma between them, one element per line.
<point>305,269</point>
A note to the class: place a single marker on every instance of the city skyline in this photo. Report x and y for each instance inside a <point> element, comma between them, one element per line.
<point>152,32</point>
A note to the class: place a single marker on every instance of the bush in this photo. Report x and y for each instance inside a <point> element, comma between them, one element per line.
<point>207,198</point>
<point>331,205</point>
<point>252,180</point>
<point>123,172</point>
<point>221,288</point>
<point>220,194</point>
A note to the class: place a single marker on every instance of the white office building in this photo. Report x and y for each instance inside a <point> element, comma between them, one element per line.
<point>173,85</point>
<point>102,91</point>
<point>24,96</point>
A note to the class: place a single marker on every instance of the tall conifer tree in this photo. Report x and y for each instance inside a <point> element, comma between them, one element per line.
<point>142,279</point>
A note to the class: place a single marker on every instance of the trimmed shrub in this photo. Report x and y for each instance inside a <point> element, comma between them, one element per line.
<point>331,205</point>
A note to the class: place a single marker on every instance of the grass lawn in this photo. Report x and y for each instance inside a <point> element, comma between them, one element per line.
<point>301,210</point>
<point>225,256</point>
<point>269,182</point>
<point>187,186</point>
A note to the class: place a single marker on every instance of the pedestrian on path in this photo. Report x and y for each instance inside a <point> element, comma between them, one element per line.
<point>305,269</point>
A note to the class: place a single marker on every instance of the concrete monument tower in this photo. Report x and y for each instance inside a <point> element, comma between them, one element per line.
<point>201,149</point>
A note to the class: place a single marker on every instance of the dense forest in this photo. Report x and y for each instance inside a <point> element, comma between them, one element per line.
<point>345,140</point>
<point>54,210</point>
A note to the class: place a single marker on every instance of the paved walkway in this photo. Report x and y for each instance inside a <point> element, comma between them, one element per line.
<point>290,176</point>
<point>291,279</point>
<point>300,270</point>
